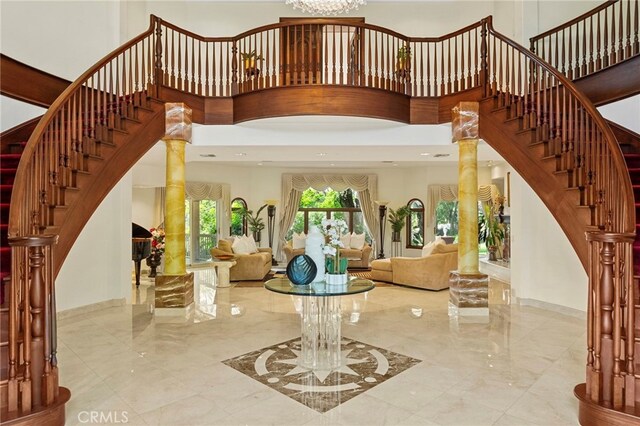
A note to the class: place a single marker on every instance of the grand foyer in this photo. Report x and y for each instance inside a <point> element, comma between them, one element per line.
<point>501,100</point>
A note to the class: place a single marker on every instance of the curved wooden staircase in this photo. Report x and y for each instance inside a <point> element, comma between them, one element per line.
<point>531,113</point>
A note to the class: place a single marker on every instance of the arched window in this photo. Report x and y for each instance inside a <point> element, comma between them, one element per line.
<point>415,224</point>
<point>238,220</point>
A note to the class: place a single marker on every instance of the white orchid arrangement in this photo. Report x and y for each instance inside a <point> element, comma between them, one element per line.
<point>334,229</point>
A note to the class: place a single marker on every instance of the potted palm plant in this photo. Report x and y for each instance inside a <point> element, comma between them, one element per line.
<point>403,60</point>
<point>254,222</point>
<point>249,59</point>
<point>397,219</point>
<point>490,232</point>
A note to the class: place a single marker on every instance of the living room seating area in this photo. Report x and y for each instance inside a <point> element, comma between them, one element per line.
<point>252,263</point>
<point>357,251</point>
<point>431,271</point>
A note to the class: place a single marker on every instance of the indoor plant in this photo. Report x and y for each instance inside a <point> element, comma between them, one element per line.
<point>249,60</point>
<point>334,229</point>
<point>403,59</point>
<point>255,222</point>
<point>490,231</point>
<point>397,219</point>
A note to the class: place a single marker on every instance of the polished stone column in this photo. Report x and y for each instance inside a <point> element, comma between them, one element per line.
<point>174,289</point>
<point>468,291</point>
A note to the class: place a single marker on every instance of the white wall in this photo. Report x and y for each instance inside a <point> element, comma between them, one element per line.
<point>625,112</point>
<point>432,18</point>
<point>143,207</point>
<point>544,266</point>
<point>64,38</point>
<point>14,112</point>
<point>98,267</point>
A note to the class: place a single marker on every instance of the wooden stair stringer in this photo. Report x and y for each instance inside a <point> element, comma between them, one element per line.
<point>515,149</point>
<point>95,185</point>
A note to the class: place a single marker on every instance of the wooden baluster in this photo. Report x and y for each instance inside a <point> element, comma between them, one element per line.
<point>295,56</point>
<point>421,45</point>
<point>494,79</point>
<point>456,87</point>
<point>54,324</point>
<point>377,78</point>
<point>620,33</point>
<point>618,381</point>
<point>199,90</point>
<point>388,65</point>
<point>369,59</point>
<point>606,334</point>
<point>325,76</point>
<point>157,76</point>
<point>266,80</point>
<point>428,74</point>
<point>469,80</point>
<point>13,393</point>
<point>341,56</point>
<point>26,385</point>
<point>627,48</point>
<point>274,63</point>
<point>636,29</point>
<point>442,76</point>
<point>499,77</point>
<point>207,74</point>
<point>598,62</point>
<point>223,77</point>
<point>48,384</point>
<point>605,41</point>
<point>186,76</point>
<point>362,43</point>
<point>178,62</point>
<point>234,67</point>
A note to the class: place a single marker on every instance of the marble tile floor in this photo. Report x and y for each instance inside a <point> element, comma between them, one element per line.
<point>132,367</point>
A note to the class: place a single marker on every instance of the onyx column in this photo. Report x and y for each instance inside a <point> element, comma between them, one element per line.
<point>174,289</point>
<point>468,288</point>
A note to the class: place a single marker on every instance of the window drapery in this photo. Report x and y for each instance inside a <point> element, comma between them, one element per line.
<point>293,185</point>
<point>449,192</point>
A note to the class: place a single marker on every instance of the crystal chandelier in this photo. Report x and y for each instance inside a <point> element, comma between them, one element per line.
<point>326,7</point>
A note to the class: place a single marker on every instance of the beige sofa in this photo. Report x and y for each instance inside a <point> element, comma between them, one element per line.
<point>248,267</point>
<point>356,258</point>
<point>430,272</point>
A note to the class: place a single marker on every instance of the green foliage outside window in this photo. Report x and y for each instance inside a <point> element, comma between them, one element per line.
<point>447,218</point>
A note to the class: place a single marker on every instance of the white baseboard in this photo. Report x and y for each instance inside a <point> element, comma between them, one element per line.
<point>81,310</point>
<point>553,307</point>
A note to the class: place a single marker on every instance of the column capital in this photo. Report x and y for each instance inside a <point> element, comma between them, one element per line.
<point>177,122</point>
<point>464,121</point>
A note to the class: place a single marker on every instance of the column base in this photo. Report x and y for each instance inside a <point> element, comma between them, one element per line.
<point>174,291</point>
<point>468,294</point>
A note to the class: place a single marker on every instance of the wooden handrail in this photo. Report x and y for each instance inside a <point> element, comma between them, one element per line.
<point>24,174</point>
<point>619,221</point>
<point>595,40</point>
<point>575,20</point>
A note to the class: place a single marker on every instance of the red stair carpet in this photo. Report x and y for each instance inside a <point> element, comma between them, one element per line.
<point>8,168</point>
<point>633,164</point>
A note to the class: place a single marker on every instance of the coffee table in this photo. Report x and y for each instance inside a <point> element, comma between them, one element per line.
<point>321,318</point>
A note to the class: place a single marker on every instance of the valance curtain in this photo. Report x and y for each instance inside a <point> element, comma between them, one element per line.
<point>220,192</point>
<point>293,185</point>
<point>449,192</point>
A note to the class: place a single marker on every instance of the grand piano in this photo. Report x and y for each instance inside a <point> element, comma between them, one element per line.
<point>140,246</point>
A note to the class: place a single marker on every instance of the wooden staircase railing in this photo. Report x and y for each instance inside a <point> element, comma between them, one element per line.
<point>319,51</point>
<point>578,142</point>
<point>597,39</point>
<point>570,137</point>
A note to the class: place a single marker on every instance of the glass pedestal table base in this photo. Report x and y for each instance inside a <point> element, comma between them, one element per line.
<point>321,318</point>
<point>321,333</point>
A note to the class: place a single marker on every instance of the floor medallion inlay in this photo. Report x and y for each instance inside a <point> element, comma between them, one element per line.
<point>363,367</point>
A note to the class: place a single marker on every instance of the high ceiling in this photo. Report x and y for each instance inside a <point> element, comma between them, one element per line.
<point>323,141</point>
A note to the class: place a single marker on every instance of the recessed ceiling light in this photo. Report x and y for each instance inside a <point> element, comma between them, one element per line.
<point>441,155</point>
<point>207,155</point>
<point>259,164</point>
<point>321,154</point>
<point>332,164</point>
<point>240,154</point>
<point>395,164</point>
<point>424,154</point>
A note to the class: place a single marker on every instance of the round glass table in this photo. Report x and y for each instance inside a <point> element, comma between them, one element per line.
<point>321,318</point>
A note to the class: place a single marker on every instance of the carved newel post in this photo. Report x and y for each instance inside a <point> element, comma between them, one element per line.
<point>174,289</point>
<point>468,288</point>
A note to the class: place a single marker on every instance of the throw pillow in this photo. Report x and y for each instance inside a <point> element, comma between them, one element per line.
<point>225,245</point>
<point>299,240</point>
<point>427,249</point>
<point>251,244</point>
<point>346,240</point>
<point>241,246</point>
<point>357,241</point>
